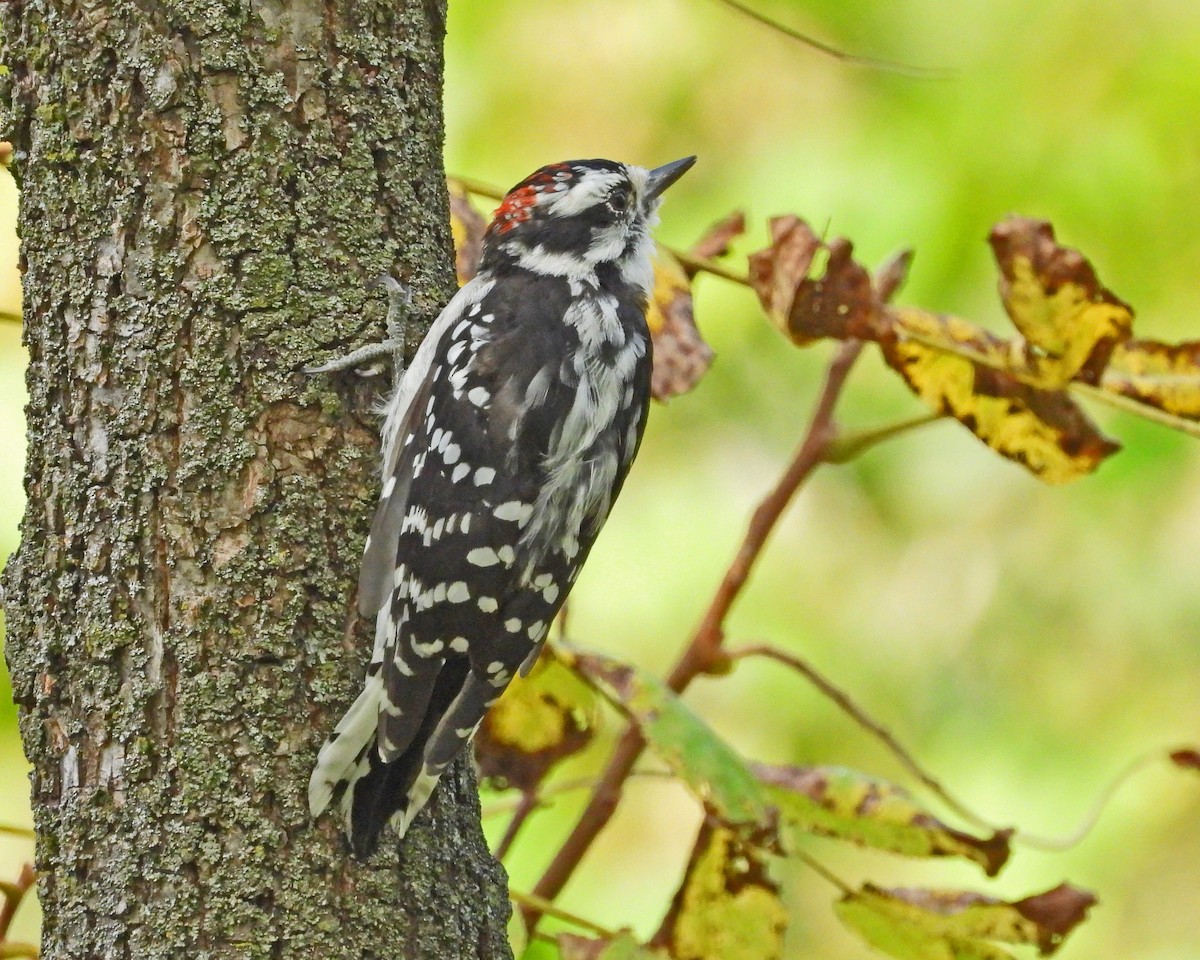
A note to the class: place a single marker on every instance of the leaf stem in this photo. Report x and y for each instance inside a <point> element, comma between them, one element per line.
<point>856,713</point>
<point>823,871</point>
<point>531,901</point>
<point>1099,805</point>
<point>1137,408</point>
<point>845,447</point>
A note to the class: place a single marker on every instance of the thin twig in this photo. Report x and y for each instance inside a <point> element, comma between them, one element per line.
<point>14,893</point>
<point>548,793</point>
<point>873,727</point>
<point>17,831</point>
<point>531,901</point>
<point>706,265</point>
<point>530,801</point>
<point>823,871</point>
<point>892,66</point>
<point>1099,805</point>
<point>703,653</point>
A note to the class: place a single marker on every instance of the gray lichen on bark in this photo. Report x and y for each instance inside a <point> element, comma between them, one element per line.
<point>207,187</point>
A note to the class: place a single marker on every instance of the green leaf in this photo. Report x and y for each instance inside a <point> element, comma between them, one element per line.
<point>913,924</point>
<point>713,770</point>
<point>848,805</point>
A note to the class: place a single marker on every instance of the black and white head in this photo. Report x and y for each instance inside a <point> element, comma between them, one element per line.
<point>571,219</point>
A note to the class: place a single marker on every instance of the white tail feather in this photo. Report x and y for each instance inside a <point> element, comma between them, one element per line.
<point>343,750</point>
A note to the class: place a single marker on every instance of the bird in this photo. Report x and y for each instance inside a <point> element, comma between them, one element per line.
<point>504,445</point>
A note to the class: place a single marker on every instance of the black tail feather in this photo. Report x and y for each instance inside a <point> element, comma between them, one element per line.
<point>383,791</point>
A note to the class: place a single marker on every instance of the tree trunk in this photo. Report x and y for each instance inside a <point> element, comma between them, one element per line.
<point>208,187</point>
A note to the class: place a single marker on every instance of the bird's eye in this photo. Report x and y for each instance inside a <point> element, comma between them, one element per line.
<point>618,202</point>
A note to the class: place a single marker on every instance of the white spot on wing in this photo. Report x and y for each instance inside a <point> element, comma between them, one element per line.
<point>512,510</point>
<point>478,396</point>
<point>483,557</point>
<point>457,592</point>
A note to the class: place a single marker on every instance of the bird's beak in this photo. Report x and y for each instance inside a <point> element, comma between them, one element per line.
<point>662,177</point>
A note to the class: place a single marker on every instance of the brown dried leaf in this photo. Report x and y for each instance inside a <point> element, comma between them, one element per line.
<point>840,303</point>
<point>715,242</point>
<point>1043,430</point>
<point>541,719</point>
<point>467,226</point>
<point>1055,300</point>
<point>681,357</point>
<point>777,271</point>
<point>727,907</point>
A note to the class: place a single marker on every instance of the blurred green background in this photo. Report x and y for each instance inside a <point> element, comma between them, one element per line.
<point>1024,641</point>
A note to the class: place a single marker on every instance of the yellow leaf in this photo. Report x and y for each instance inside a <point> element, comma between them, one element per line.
<point>1055,300</point>
<point>541,719</point>
<point>727,907</point>
<point>1163,375</point>
<point>1043,430</point>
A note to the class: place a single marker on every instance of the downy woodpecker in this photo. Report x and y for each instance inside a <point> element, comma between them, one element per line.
<point>505,444</point>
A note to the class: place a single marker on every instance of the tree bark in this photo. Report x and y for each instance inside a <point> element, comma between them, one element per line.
<point>208,187</point>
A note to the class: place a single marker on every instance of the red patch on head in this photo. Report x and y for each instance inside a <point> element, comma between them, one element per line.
<point>517,206</point>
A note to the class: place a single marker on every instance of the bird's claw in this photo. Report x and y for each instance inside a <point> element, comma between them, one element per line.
<point>372,360</point>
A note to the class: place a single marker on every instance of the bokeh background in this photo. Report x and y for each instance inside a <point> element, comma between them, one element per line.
<point>1024,641</point>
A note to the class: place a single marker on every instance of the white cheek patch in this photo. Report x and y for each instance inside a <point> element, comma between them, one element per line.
<point>589,190</point>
